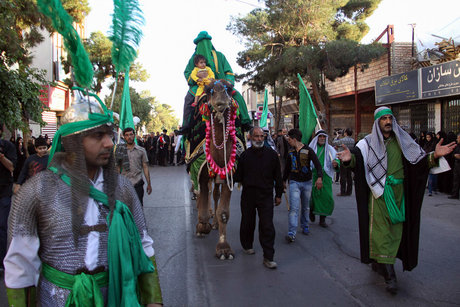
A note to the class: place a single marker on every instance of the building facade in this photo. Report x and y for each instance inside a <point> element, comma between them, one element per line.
<point>426,99</point>
<point>49,56</point>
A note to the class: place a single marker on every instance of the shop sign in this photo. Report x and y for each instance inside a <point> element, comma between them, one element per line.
<point>57,101</point>
<point>397,88</point>
<point>441,80</point>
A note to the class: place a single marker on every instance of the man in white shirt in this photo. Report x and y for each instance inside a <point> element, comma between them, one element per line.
<point>60,221</point>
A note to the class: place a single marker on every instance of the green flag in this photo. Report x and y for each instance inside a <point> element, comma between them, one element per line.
<point>263,117</point>
<point>307,113</point>
<point>126,112</point>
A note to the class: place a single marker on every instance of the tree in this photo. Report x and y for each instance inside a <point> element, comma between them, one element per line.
<point>21,86</point>
<point>142,104</point>
<point>21,24</point>
<point>163,118</point>
<point>303,36</point>
<point>20,92</point>
<point>99,48</point>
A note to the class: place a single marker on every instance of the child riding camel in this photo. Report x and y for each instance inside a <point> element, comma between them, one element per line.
<point>201,74</point>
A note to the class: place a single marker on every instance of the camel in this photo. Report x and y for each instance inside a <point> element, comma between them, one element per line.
<point>220,150</point>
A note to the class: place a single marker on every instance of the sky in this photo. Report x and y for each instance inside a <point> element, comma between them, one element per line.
<point>171,26</point>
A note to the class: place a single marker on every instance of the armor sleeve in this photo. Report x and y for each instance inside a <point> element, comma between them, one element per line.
<point>149,286</point>
<point>24,297</point>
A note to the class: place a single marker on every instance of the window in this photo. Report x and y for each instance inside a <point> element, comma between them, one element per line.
<point>451,115</point>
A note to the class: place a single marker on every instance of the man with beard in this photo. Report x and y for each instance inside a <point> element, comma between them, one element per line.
<point>259,171</point>
<point>390,174</point>
<point>77,233</point>
<point>138,163</point>
<point>322,202</point>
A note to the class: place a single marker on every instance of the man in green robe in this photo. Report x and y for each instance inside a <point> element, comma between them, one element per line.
<point>321,201</point>
<point>390,174</point>
<point>222,70</point>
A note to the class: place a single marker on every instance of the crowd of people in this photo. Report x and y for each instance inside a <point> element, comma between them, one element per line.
<point>390,169</point>
<point>386,165</point>
<point>163,149</point>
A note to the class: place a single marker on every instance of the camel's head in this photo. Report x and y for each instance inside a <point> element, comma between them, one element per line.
<point>219,95</point>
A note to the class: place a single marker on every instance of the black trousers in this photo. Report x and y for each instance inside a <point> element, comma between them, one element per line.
<point>346,182</point>
<point>252,200</point>
<point>188,110</point>
<point>5,205</point>
<point>456,183</point>
<point>151,156</point>
<point>139,187</point>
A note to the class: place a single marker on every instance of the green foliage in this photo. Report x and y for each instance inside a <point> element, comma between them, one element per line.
<point>20,92</point>
<point>20,29</point>
<point>21,23</point>
<point>312,37</point>
<point>141,106</point>
<point>99,48</point>
<point>78,9</point>
<point>154,115</point>
<point>63,23</point>
<point>163,118</point>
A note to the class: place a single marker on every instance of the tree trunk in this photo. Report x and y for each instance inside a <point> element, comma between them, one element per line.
<point>319,102</point>
<point>278,114</point>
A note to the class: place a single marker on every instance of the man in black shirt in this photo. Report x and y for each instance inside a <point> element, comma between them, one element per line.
<point>34,163</point>
<point>7,164</point>
<point>456,184</point>
<point>299,173</point>
<point>259,171</point>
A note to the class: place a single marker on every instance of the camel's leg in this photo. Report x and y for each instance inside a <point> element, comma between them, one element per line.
<point>203,203</point>
<point>216,197</point>
<point>223,249</point>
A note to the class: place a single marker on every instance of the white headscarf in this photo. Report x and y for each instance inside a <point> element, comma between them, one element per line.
<point>329,154</point>
<point>375,155</point>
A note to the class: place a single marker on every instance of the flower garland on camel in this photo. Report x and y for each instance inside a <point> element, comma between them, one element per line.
<point>230,131</point>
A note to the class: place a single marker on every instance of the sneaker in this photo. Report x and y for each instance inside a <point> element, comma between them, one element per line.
<point>306,231</point>
<point>249,251</point>
<point>290,238</point>
<point>270,264</point>
<point>430,194</point>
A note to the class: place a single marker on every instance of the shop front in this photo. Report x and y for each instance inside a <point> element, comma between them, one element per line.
<point>427,99</point>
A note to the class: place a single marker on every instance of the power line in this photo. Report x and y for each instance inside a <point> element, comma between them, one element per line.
<point>250,4</point>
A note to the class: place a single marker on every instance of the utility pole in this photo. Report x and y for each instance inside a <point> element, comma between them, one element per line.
<point>413,31</point>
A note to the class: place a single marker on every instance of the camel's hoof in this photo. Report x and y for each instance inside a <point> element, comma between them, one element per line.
<point>203,228</point>
<point>199,235</point>
<point>224,251</point>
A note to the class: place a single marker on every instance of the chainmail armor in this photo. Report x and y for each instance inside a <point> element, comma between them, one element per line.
<point>45,205</point>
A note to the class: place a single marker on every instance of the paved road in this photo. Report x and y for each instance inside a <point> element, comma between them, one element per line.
<point>322,269</point>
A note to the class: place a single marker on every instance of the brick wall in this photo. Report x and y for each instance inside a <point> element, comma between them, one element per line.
<point>366,79</point>
<point>400,62</point>
<point>401,56</point>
